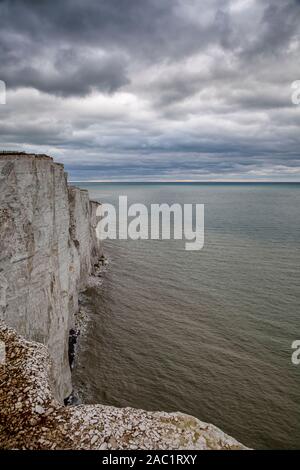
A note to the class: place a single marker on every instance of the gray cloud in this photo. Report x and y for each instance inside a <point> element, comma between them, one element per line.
<point>159,88</point>
<point>69,73</point>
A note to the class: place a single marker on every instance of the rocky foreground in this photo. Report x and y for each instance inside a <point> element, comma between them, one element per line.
<point>31,418</point>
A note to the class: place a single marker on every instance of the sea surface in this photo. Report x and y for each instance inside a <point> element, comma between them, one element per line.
<point>207,332</point>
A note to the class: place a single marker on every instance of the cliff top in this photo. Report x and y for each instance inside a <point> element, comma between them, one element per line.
<point>6,154</point>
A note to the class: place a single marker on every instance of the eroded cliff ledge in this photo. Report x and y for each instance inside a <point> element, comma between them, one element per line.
<point>31,418</point>
<point>48,250</point>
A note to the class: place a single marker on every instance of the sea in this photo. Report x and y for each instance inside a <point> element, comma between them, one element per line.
<point>209,332</point>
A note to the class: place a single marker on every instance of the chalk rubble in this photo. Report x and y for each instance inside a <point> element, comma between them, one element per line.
<point>31,418</point>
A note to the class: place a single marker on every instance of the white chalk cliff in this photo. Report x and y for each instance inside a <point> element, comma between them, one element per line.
<point>48,250</point>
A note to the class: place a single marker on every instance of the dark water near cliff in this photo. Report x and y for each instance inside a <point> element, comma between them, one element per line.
<point>209,332</point>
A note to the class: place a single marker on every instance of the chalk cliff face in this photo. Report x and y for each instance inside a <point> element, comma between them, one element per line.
<point>47,252</point>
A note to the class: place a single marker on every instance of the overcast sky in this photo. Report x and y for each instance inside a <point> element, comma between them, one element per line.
<point>154,89</point>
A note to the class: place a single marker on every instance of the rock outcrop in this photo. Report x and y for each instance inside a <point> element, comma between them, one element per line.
<point>47,252</point>
<point>31,418</point>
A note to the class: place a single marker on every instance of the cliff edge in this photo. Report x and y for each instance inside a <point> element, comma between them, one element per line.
<point>48,249</point>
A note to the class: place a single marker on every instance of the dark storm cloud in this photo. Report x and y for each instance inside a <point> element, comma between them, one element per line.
<point>70,73</point>
<point>280,21</point>
<point>154,88</point>
<point>152,26</point>
<point>34,32</point>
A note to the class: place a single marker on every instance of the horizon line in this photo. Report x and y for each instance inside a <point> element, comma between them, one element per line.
<point>188,181</point>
